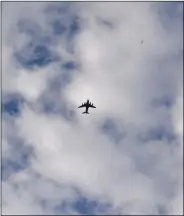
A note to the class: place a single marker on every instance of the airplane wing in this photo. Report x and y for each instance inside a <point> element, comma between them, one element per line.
<point>91,105</point>
<point>83,105</point>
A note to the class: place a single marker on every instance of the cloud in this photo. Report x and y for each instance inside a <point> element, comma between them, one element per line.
<point>126,156</point>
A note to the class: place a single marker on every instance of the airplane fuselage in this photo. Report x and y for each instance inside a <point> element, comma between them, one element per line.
<point>87,107</point>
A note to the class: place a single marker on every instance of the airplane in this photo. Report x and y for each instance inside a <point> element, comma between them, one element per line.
<point>87,105</point>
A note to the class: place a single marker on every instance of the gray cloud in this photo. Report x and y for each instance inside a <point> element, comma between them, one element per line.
<point>126,156</point>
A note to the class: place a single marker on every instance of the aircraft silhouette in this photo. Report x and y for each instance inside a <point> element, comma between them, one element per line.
<point>87,105</point>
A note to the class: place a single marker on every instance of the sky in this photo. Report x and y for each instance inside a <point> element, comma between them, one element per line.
<point>126,156</point>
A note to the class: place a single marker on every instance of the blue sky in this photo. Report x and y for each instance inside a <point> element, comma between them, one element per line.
<point>125,157</point>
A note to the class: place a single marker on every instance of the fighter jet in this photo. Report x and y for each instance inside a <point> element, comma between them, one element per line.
<point>87,105</point>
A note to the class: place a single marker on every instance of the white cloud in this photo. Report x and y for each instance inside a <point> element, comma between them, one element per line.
<point>121,77</point>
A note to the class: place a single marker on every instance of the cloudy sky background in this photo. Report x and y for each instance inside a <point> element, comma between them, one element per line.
<point>125,157</point>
